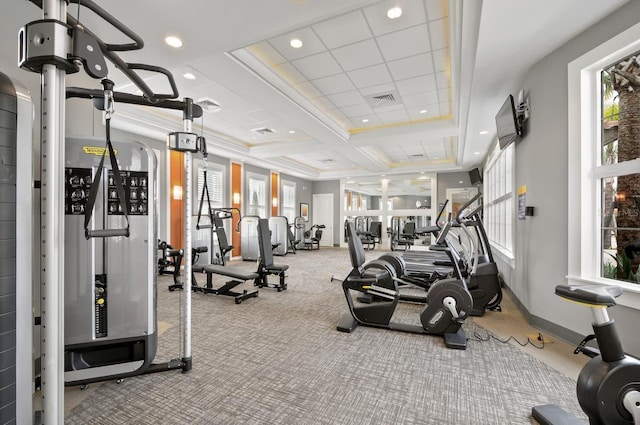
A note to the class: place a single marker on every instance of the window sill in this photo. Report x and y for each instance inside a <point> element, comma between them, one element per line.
<point>629,298</point>
<point>504,256</point>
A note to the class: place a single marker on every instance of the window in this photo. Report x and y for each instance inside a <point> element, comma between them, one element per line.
<point>215,186</point>
<point>498,199</point>
<point>289,200</point>
<point>257,195</point>
<point>604,183</point>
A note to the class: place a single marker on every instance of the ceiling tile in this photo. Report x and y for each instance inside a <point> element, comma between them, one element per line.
<point>311,44</point>
<point>412,66</point>
<point>433,111</point>
<point>289,73</point>
<point>421,100</point>
<point>357,110</point>
<point>381,88</point>
<point>342,30</point>
<point>445,108</point>
<point>371,76</point>
<point>373,120</point>
<point>409,42</point>
<point>438,32</point>
<point>334,84</point>
<point>317,66</point>
<point>436,9</point>
<point>389,108</point>
<point>416,85</point>
<point>358,55</point>
<point>440,60</point>
<point>308,89</point>
<point>412,14</point>
<point>394,116</point>
<point>348,98</point>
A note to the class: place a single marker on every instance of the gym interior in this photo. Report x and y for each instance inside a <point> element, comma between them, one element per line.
<point>320,212</point>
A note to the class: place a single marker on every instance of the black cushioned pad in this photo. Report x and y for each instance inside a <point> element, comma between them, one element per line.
<point>278,267</point>
<point>228,271</point>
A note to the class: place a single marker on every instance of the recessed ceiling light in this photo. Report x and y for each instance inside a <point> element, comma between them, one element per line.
<point>421,172</point>
<point>365,120</point>
<point>461,182</point>
<point>484,132</point>
<point>436,157</point>
<point>292,132</point>
<point>189,76</point>
<point>476,153</point>
<point>173,41</point>
<point>422,111</point>
<point>295,43</point>
<point>394,13</point>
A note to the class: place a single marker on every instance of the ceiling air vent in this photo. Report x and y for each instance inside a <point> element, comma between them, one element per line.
<point>383,99</point>
<point>263,130</point>
<point>416,156</point>
<point>328,161</point>
<point>208,105</point>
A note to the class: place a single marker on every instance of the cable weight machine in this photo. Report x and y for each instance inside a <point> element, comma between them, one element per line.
<point>53,47</point>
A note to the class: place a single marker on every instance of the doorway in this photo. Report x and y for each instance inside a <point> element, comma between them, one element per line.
<point>322,213</point>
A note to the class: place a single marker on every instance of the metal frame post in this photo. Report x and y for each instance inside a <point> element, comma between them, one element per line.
<point>52,230</point>
<point>186,292</point>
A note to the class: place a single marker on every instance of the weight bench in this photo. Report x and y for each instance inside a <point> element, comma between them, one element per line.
<point>237,277</point>
<point>266,266</point>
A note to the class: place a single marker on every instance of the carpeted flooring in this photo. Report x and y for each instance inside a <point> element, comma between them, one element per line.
<point>278,359</point>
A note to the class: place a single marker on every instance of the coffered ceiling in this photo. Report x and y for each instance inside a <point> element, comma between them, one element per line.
<point>363,95</point>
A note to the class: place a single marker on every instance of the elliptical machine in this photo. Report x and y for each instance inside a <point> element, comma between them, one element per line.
<point>608,386</point>
<point>448,301</point>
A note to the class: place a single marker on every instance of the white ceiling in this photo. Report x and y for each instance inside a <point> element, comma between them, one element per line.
<point>455,60</point>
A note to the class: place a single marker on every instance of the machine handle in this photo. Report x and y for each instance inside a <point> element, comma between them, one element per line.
<point>107,233</point>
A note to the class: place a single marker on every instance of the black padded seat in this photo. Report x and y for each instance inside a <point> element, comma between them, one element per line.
<point>278,268</point>
<point>228,271</point>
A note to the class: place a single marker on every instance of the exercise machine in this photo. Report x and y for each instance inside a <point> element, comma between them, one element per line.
<point>279,227</point>
<point>312,238</point>
<point>448,302</point>
<point>249,237</point>
<point>266,266</point>
<point>608,386</point>
<point>52,47</point>
<point>167,260</point>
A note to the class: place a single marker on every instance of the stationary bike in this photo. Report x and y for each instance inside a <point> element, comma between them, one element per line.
<point>608,386</point>
<point>448,301</point>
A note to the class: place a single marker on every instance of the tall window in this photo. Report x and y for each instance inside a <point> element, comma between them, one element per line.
<point>619,189</point>
<point>215,186</point>
<point>604,159</point>
<point>288,200</point>
<point>498,199</point>
<point>257,195</point>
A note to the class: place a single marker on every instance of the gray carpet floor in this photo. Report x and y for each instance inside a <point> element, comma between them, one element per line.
<point>278,359</point>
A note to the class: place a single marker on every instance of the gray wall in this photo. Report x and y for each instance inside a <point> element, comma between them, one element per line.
<point>451,181</point>
<point>541,164</point>
<point>333,187</point>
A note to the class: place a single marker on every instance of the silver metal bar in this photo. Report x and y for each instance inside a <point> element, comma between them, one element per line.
<point>52,230</point>
<point>186,290</point>
<point>600,315</point>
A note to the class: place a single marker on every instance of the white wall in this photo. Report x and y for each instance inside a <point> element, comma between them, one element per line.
<point>541,165</point>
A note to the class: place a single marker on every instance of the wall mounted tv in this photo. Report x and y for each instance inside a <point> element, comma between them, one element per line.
<point>509,129</point>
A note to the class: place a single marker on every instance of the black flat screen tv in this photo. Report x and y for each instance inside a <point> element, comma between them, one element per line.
<point>509,130</point>
<point>475,177</point>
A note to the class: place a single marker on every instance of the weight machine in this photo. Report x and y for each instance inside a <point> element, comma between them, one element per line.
<point>54,46</point>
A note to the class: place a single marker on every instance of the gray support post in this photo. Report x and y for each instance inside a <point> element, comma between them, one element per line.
<point>52,230</point>
<point>186,292</point>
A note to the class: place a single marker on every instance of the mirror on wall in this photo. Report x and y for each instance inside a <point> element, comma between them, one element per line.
<point>380,198</point>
